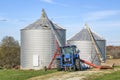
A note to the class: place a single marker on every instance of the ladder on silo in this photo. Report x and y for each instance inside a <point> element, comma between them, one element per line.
<point>58,43</point>
<point>98,53</point>
<point>56,53</point>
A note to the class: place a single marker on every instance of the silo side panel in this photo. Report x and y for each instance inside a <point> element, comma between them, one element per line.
<point>61,33</point>
<point>36,42</point>
<point>102,47</point>
<point>87,51</point>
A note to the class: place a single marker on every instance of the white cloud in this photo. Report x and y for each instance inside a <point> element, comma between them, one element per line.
<point>106,24</point>
<point>98,15</point>
<point>88,6</point>
<point>48,1</point>
<point>53,2</point>
<point>2,19</point>
<point>15,21</point>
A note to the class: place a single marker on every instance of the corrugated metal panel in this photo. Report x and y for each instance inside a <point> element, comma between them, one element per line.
<point>62,35</point>
<point>87,51</point>
<point>102,47</point>
<point>38,42</point>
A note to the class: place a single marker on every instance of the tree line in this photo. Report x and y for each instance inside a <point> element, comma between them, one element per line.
<point>9,53</point>
<point>113,52</point>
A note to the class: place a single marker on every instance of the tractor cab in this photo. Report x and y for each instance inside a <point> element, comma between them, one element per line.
<point>68,49</point>
<point>69,58</point>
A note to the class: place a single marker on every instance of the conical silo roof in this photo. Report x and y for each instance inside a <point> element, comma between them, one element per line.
<point>43,23</point>
<point>84,35</point>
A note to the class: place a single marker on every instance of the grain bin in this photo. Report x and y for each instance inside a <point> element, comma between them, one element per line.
<point>38,43</point>
<point>87,51</point>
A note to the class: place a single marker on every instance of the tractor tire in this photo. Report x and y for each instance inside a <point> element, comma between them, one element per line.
<point>58,65</point>
<point>74,68</point>
<point>77,64</point>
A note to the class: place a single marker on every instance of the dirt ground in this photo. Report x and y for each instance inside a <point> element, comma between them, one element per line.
<point>110,62</point>
<point>78,75</point>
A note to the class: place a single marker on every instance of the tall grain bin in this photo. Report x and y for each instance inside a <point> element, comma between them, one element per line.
<point>87,50</point>
<point>38,43</point>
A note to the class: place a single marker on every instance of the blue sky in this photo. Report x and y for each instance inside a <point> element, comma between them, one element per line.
<point>102,16</point>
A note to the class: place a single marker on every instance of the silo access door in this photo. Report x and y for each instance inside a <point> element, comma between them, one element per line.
<point>35,60</point>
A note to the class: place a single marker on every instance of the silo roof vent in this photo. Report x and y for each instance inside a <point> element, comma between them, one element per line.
<point>44,15</point>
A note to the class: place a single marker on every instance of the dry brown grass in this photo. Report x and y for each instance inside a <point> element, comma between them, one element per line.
<point>110,62</point>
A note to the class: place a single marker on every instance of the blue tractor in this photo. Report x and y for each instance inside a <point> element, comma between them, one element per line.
<point>68,59</point>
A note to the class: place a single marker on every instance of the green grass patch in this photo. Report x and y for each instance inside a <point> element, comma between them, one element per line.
<point>22,74</point>
<point>109,76</point>
<point>116,66</point>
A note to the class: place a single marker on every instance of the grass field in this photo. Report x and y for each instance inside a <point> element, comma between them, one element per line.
<point>22,74</point>
<point>26,74</point>
<point>111,76</point>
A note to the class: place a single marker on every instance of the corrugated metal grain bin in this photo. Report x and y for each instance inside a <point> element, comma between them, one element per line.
<point>38,43</point>
<point>87,50</point>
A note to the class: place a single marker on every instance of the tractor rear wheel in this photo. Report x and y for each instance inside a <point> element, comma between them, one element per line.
<point>58,64</point>
<point>77,63</point>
